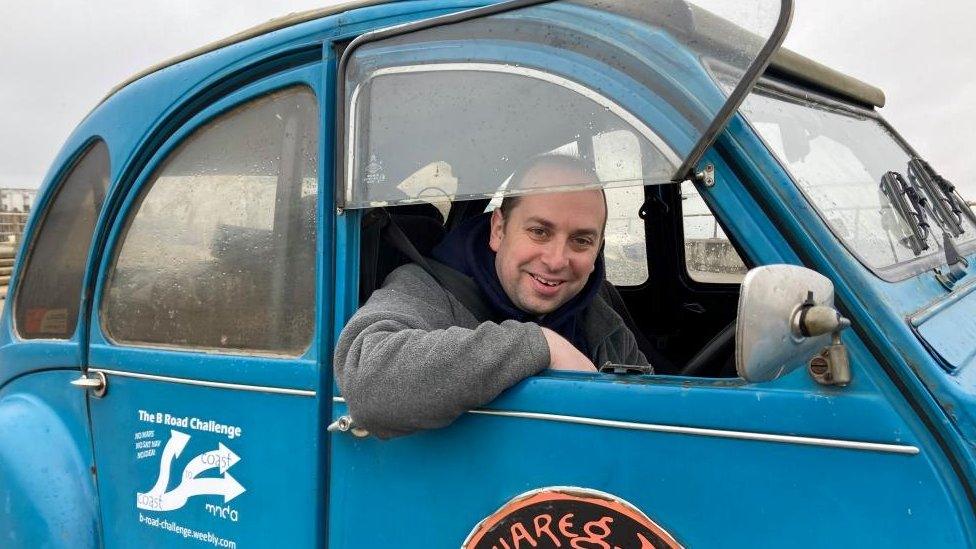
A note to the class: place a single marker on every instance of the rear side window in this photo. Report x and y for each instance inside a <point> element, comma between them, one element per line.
<point>47,301</point>
<point>220,253</point>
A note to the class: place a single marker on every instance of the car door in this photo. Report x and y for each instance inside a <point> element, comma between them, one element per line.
<point>601,460</point>
<point>203,330</point>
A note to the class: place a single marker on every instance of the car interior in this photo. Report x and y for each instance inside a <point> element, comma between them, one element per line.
<point>686,325</point>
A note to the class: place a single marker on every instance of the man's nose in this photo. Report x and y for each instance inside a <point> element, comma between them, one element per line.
<point>555,256</point>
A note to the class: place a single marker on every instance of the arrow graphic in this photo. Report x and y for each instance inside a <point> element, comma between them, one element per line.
<point>226,486</point>
<point>222,457</point>
<point>174,447</point>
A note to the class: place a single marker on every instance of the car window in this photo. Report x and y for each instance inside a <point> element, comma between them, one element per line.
<point>709,255</point>
<point>483,94</point>
<point>837,159</point>
<point>46,304</point>
<point>220,253</point>
<point>615,155</point>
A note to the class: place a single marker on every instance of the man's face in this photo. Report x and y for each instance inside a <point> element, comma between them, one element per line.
<point>547,248</point>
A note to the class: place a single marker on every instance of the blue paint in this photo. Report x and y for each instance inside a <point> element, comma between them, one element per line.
<point>47,490</point>
<point>951,333</point>
<point>302,487</point>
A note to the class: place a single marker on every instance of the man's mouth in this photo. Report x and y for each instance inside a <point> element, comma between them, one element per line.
<point>546,281</point>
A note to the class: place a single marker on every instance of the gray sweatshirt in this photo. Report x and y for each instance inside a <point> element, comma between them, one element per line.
<point>414,358</point>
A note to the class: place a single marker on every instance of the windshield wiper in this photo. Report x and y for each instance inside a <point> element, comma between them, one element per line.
<point>910,206</point>
<point>947,209</point>
<point>948,206</point>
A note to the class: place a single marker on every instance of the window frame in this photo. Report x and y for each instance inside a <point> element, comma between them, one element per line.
<point>307,76</point>
<point>35,227</point>
<point>686,167</point>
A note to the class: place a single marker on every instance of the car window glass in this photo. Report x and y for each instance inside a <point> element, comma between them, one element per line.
<point>46,304</point>
<point>709,255</point>
<point>482,95</point>
<point>616,154</point>
<point>422,135</point>
<point>221,251</point>
<point>838,159</point>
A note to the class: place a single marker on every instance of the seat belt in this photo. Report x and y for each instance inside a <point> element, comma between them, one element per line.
<point>459,285</point>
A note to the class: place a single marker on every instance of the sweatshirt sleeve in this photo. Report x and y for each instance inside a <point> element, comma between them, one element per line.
<point>402,366</point>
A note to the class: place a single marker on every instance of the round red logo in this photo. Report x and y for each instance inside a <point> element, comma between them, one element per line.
<point>574,518</point>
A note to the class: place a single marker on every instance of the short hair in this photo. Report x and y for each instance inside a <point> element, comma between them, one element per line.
<point>551,160</point>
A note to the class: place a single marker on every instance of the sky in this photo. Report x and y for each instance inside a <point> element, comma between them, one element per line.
<point>58,59</point>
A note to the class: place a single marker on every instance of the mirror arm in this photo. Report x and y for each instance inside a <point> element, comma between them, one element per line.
<point>831,366</point>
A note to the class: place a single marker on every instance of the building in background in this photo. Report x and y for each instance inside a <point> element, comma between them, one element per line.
<point>15,207</point>
<point>17,200</point>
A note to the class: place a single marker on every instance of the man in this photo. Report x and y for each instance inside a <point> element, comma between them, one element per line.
<point>414,358</point>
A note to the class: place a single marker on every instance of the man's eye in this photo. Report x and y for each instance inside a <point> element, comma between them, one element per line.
<point>538,232</point>
<point>583,242</point>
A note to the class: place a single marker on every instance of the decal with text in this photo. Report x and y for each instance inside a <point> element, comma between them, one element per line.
<point>576,518</point>
<point>207,473</point>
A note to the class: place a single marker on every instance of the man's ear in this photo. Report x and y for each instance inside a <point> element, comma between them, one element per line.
<point>497,230</point>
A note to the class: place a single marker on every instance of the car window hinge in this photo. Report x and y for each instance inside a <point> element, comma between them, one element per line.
<point>706,177</point>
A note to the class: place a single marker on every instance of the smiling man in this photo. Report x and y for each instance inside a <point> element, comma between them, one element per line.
<point>413,357</point>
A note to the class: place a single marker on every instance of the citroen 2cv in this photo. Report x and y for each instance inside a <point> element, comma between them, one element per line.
<point>207,230</point>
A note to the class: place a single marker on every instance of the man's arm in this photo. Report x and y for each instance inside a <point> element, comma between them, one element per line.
<point>404,364</point>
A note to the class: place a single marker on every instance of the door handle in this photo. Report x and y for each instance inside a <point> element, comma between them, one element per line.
<point>345,425</point>
<point>97,384</point>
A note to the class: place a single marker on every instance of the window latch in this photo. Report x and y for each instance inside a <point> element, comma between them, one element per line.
<point>345,424</point>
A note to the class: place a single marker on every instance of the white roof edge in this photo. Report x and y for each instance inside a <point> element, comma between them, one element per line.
<point>809,71</point>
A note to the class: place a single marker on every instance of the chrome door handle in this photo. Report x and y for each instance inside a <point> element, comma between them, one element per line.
<point>97,384</point>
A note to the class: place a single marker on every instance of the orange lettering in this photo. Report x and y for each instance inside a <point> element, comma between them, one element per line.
<point>593,538</point>
<point>504,544</point>
<point>520,533</point>
<point>542,523</point>
<point>565,525</point>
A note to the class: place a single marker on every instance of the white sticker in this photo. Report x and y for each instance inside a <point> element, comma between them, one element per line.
<point>158,498</point>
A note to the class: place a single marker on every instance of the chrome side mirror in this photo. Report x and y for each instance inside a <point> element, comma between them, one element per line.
<point>787,319</point>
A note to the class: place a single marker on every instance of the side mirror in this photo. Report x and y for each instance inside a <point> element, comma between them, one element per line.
<point>787,319</point>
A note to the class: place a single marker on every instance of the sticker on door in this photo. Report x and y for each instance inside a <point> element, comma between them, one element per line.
<point>205,474</point>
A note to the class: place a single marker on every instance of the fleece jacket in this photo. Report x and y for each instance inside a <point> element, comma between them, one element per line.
<point>414,358</point>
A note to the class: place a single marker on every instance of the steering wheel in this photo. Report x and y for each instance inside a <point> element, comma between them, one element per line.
<point>721,344</point>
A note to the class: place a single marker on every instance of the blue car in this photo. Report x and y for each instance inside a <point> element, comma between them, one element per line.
<point>208,229</point>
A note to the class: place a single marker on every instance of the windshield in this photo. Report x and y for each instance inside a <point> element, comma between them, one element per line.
<point>838,159</point>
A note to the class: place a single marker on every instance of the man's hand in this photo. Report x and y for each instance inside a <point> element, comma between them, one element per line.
<point>564,356</point>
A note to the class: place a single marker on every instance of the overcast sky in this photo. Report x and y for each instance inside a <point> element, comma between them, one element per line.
<point>57,59</point>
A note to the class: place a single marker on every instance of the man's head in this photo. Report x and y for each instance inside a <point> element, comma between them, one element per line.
<point>546,245</point>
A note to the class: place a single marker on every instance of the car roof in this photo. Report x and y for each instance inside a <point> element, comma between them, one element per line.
<point>795,67</point>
